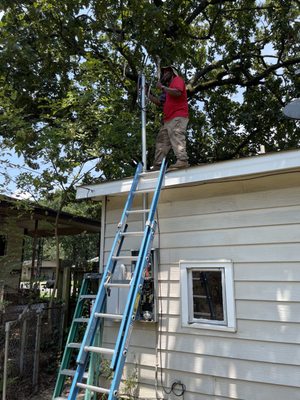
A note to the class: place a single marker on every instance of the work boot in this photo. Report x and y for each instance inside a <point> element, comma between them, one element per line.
<point>179,164</point>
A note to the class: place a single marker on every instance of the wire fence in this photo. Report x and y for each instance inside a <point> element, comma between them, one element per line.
<point>28,345</point>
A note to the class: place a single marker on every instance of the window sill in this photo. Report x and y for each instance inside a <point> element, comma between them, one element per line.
<point>212,327</point>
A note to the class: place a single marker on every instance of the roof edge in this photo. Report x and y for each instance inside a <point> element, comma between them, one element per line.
<point>256,165</point>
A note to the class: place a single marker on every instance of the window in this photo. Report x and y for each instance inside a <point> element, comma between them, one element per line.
<point>207,294</point>
<point>3,243</point>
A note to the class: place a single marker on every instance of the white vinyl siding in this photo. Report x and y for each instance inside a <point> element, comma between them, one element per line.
<point>256,224</point>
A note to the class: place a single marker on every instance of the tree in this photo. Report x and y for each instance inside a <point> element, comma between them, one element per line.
<point>75,248</point>
<point>68,73</point>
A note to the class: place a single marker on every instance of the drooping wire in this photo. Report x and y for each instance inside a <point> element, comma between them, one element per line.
<point>178,392</point>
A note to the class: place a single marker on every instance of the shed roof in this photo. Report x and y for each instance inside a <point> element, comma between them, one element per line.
<point>40,221</point>
<point>271,163</point>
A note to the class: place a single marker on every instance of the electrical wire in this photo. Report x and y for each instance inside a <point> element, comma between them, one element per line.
<point>159,336</point>
<point>174,387</point>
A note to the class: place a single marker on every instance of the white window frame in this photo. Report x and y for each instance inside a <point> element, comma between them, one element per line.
<point>226,267</point>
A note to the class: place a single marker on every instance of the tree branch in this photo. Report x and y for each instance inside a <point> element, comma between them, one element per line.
<point>239,75</point>
<point>201,7</point>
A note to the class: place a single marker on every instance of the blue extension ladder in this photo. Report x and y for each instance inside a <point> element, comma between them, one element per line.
<point>135,286</point>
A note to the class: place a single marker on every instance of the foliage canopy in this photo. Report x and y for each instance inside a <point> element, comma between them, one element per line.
<point>69,71</point>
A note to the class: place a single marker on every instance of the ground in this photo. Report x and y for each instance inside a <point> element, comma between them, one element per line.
<point>46,388</point>
<point>44,395</point>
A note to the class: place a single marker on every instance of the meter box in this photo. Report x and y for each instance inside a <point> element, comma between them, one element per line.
<point>117,297</point>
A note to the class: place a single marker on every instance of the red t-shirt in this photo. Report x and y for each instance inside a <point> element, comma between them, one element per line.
<point>176,106</point>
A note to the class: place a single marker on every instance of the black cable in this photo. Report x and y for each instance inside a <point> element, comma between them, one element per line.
<point>174,389</point>
<point>160,314</point>
<point>175,384</point>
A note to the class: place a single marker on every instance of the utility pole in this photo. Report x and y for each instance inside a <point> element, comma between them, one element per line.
<point>142,82</point>
<point>143,118</point>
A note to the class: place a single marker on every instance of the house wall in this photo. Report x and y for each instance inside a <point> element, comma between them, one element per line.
<point>10,263</point>
<point>256,224</point>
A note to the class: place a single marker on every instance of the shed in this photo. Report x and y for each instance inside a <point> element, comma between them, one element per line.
<point>19,218</point>
<point>238,223</point>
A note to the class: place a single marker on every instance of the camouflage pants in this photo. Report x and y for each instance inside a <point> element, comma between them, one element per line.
<point>172,134</point>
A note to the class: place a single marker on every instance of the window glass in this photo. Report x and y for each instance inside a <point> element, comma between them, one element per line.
<point>207,295</point>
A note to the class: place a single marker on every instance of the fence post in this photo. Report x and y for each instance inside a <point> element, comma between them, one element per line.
<point>2,307</point>
<point>23,342</point>
<point>37,352</point>
<point>1,296</point>
<point>62,325</point>
<point>7,329</point>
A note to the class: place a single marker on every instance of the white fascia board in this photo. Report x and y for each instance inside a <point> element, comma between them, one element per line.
<point>256,165</point>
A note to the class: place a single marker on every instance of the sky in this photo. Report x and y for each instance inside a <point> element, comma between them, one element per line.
<point>13,165</point>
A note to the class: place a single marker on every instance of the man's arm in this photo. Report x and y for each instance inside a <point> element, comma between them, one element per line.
<point>172,91</point>
<point>154,99</point>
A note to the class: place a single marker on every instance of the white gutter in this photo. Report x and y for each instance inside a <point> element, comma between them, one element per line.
<point>256,165</point>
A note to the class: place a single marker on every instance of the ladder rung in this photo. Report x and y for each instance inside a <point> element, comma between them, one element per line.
<point>93,388</point>
<point>109,316</point>
<point>139,233</point>
<point>146,173</point>
<point>87,296</point>
<point>81,320</point>
<point>138,211</point>
<point>68,372</point>
<point>74,345</point>
<point>117,285</point>
<point>130,258</point>
<point>100,350</point>
<point>71,372</point>
<point>141,191</point>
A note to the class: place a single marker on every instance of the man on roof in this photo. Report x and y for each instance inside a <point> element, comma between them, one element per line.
<point>172,133</point>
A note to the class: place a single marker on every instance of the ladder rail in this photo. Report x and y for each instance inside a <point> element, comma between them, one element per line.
<point>100,300</point>
<point>99,304</point>
<point>119,353</point>
<point>208,295</point>
<point>140,265</point>
<point>131,313</point>
<point>83,355</point>
<point>126,314</point>
<point>72,333</point>
<point>71,337</point>
<point>140,257</point>
<point>131,194</point>
<point>156,195</point>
